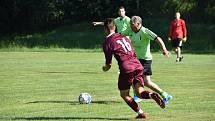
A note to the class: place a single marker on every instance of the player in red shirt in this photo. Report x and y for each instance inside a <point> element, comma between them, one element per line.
<point>177,34</point>
<point>131,70</point>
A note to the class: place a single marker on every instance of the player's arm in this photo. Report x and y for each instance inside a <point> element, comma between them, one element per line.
<point>106,67</point>
<point>162,45</point>
<point>97,23</point>
<point>108,57</point>
<point>184,31</point>
<point>153,36</point>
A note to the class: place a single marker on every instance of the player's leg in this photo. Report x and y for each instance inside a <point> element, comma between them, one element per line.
<point>178,45</point>
<point>136,98</point>
<point>131,103</point>
<point>125,81</point>
<point>148,95</point>
<point>153,86</point>
<point>138,83</point>
<point>176,48</point>
<point>180,50</point>
<point>147,64</point>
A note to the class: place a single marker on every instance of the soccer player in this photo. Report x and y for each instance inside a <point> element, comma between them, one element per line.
<point>141,38</point>
<point>131,70</point>
<point>122,22</point>
<point>177,34</point>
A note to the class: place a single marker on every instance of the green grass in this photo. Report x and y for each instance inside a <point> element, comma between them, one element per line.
<point>46,85</point>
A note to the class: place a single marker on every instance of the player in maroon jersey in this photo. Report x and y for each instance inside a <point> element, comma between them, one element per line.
<point>131,71</point>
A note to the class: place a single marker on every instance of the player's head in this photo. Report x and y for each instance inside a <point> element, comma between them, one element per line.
<point>121,12</point>
<point>177,15</point>
<point>135,23</point>
<point>109,25</point>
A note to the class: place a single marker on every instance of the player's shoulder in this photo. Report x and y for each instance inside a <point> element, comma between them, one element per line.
<point>182,20</point>
<point>117,19</point>
<point>117,36</point>
<point>147,31</point>
<point>114,36</point>
<point>143,29</point>
<point>127,18</point>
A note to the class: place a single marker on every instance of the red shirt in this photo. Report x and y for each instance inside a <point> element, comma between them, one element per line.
<point>120,46</point>
<point>177,29</point>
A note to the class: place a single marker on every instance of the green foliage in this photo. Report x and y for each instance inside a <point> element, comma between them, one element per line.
<point>84,35</point>
<point>22,15</point>
<point>81,35</point>
<point>62,23</point>
<point>32,15</point>
<point>46,85</point>
<point>184,6</point>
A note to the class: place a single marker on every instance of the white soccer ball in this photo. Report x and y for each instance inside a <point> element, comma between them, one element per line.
<point>85,98</point>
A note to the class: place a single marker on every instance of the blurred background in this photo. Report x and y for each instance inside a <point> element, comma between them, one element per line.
<point>67,23</point>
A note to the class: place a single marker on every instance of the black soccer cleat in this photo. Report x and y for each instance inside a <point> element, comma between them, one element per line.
<point>180,58</point>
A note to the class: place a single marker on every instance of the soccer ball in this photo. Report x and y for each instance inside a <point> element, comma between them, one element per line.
<point>85,98</point>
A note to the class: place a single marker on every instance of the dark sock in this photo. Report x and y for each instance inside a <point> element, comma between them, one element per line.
<point>133,105</point>
<point>145,95</point>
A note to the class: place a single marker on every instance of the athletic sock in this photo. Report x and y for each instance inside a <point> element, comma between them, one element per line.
<point>140,111</point>
<point>163,94</point>
<point>145,95</point>
<point>131,103</point>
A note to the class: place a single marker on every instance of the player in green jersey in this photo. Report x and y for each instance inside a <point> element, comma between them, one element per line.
<point>140,38</point>
<point>122,22</point>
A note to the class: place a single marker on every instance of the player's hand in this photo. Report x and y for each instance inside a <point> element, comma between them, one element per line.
<point>106,67</point>
<point>94,23</point>
<point>97,23</point>
<point>169,38</point>
<point>166,53</point>
<point>184,39</point>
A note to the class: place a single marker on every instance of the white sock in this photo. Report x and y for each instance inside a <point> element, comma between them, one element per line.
<point>150,94</point>
<point>140,111</point>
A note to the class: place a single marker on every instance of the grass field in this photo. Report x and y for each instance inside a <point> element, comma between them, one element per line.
<point>46,85</point>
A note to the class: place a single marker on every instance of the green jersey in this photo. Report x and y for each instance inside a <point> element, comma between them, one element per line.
<point>141,42</point>
<point>122,24</point>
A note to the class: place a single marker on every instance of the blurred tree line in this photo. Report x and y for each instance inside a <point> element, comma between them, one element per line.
<point>31,15</point>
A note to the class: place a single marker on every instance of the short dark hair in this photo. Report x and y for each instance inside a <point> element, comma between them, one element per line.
<point>121,7</point>
<point>109,23</point>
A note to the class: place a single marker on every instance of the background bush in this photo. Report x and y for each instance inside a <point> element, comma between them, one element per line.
<point>66,23</point>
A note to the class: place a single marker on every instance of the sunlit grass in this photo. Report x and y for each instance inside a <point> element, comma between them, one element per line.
<point>46,85</point>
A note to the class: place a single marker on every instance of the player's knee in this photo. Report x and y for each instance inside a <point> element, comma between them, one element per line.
<point>139,91</point>
<point>124,95</point>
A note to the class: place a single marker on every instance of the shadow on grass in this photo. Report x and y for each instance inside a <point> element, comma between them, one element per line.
<point>64,118</point>
<point>75,102</point>
<point>64,72</point>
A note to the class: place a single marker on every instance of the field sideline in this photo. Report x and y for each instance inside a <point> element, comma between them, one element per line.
<point>46,85</point>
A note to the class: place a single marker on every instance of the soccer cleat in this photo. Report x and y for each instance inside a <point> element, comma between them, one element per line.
<point>180,58</point>
<point>158,100</point>
<point>167,98</point>
<point>137,99</point>
<point>141,116</point>
<point>177,60</point>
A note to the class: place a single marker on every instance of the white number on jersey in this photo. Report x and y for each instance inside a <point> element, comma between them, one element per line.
<point>126,45</point>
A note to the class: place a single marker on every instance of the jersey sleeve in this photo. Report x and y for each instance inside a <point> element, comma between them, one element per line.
<point>151,35</point>
<point>127,32</point>
<point>184,29</point>
<point>108,53</point>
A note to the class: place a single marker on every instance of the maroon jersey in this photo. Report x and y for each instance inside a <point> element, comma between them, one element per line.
<point>120,46</point>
